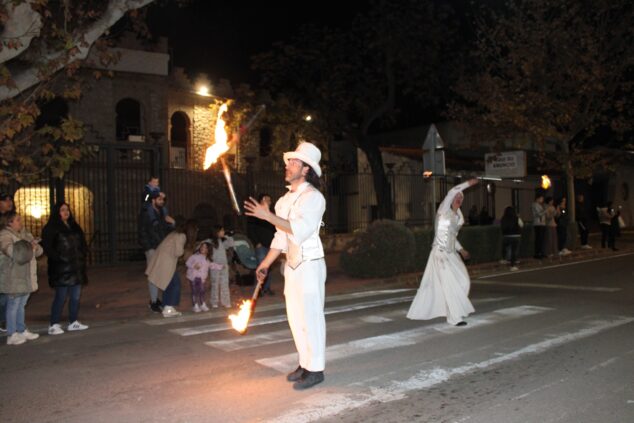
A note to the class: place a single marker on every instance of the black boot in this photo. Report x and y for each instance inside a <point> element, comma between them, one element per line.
<point>308,380</point>
<point>296,374</point>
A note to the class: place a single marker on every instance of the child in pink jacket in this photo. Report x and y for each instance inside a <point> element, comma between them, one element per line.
<point>198,266</point>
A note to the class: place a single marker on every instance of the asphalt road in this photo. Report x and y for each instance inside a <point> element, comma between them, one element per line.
<point>549,345</point>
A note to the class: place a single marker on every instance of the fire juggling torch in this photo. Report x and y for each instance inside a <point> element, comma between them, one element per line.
<point>221,146</point>
<point>240,321</point>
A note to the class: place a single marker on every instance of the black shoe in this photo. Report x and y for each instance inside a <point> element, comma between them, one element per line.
<point>309,380</point>
<point>615,249</point>
<point>463,323</point>
<point>296,374</point>
<point>156,307</point>
<point>269,292</point>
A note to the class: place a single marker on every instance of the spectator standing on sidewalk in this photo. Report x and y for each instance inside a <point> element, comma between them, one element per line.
<point>220,278</point>
<point>581,216</point>
<point>198,266</point>
<point>511,226</point>
<point>539,224</point>
<point>6,206</point>
<point>606,214</point>
<point>562,227</point>
<point>153,228</point>
<point>18,274</point>
<point>162,266</point>
<point>261,233</point>
<point>65,246</point>
<point>550,242</point>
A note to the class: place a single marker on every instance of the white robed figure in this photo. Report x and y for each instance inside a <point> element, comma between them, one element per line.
<point>444,288</point>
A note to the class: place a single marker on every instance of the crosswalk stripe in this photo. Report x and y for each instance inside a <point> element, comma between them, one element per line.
<point>278,306</point>
<point>404,338</point>
<point>217,327</point>
<point>548,286</point>
<point>328,404</point>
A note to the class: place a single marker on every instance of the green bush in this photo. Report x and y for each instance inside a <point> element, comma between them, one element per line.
<point>484,243</point>
<point>385,249</point>
<point>423,239</point>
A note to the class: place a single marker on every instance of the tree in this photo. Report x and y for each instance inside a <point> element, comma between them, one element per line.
<point>554,71</point>
<point>42,46</point>
<point>352,81</point>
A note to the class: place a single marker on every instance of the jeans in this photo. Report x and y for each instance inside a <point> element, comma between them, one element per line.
<point>510,246</point>
<point>562,236</point>
<point>3,307</point>
<point>540,231</point>
<point>61,292</point>
<point>15,313</point>
<point>198,291</point>
<point>607,234</point>
<point>583,233</point>
<point>172,294</point>
<point>260,253</point>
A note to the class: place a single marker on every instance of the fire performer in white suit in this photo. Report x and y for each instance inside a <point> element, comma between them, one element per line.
<point>297,219</point>
<point>444,288</point>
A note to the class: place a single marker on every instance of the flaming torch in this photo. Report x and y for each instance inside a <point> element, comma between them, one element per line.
<point>221,146</point>
<point>545,182</point>
<point>240,321</point>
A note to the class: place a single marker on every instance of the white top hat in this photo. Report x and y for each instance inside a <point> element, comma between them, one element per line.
<point>308,153</point>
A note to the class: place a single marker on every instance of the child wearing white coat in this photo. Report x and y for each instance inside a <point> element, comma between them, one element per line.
<point>220,278</point>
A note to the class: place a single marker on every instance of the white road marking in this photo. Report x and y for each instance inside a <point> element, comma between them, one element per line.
<point>329,404</point>
<point>547,285</point>
<point>404,338</point>
<point>260,339</point>
<point>277,306</point>
<point>553,266</point>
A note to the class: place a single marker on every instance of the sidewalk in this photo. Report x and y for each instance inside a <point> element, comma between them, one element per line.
<point>120,293</point>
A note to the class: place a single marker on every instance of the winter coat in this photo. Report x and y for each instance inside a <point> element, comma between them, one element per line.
<point>17,276</point>
<point>66,249</point>
<point>152,227</point>
<point>162,264</point>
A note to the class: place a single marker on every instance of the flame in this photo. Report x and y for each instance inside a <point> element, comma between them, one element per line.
<point>220,146</point>
<point>545,182</point>
<point>241,320</point>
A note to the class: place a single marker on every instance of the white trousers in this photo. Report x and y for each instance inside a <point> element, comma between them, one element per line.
<point>304,290</point>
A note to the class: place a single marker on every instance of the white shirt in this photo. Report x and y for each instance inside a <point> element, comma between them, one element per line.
<point>304,209</point>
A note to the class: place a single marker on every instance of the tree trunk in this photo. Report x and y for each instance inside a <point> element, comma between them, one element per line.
<point>570,182</point>
<point>381,184</point>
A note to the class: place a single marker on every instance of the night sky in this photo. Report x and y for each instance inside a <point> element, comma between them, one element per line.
<point>219,38</point>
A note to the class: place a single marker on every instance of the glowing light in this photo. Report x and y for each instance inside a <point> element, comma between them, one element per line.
<point>35,210</point>
<point>220,146</point>
<point>545,182</point>
<point>308,118</point>
<point>203,90</point>
<point>427,174</point>
<point>241,320</point>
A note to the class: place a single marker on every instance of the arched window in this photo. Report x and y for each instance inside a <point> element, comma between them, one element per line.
<point>128,119</point>
<point>179,132</point>
<point>179,139</point>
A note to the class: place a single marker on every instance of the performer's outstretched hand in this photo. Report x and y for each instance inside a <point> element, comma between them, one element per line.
<point>473,181</point>
<point>255,209</point>
<point>465,254</point>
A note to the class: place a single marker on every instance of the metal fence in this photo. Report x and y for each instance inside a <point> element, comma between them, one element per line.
<point>104,192</point>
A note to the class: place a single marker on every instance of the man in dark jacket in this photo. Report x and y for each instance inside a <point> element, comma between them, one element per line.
<point>261,233</point>
<point>153,228</point>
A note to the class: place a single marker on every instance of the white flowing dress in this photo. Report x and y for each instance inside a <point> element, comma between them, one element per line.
<point>444,288</point>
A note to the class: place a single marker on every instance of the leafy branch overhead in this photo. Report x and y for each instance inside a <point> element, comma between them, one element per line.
<point>43,45</point>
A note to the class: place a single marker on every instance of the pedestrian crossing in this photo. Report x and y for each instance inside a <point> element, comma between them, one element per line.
<point>366,328</point>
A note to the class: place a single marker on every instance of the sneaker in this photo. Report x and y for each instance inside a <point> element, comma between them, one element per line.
<point>214,306</point>
<point>204,307</point>
<point>196,308</point>
<point>586,247</point>
<point>514,268</point>
<point>29,336</point>
<point>3,328</point>
<point>16,339</point>
<point>503,261</point>
<point>156,306</point>
<point>76,325</point>
<point>55,329</point>
<point>169,311</point>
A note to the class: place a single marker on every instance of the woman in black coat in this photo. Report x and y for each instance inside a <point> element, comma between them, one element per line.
<point>65,246</point>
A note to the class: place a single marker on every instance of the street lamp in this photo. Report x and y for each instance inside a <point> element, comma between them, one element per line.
<point>203,90</point>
